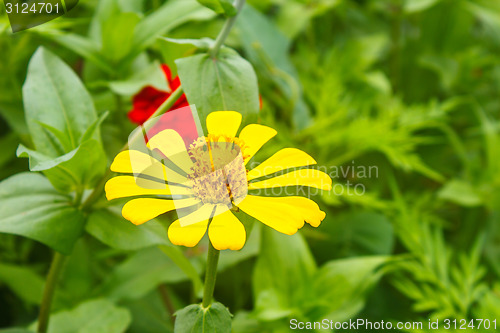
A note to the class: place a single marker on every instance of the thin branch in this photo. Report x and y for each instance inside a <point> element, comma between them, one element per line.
<point>221,38</point>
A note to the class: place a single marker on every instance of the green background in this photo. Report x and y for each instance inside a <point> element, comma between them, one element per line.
<point>409,87</point>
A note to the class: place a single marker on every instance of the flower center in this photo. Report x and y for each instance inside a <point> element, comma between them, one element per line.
<point>218,173</point>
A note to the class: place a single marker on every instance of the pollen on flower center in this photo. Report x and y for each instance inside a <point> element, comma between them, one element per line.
<point>218,173</point>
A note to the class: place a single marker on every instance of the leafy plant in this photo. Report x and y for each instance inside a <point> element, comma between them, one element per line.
<point>397,101</point>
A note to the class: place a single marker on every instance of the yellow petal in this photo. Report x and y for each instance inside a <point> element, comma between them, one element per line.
<point>142,210</point>
<point>254,136</point>
<point>171,144</point>
<point>123,161</point>
<point>224,123</point>
<point>189,235</point>
<point>308,209</point>
<point>273,213</point>
<point>126,186</point>
<point>302,177</point>
<point>283,159</point>
<point>226,232</point>
<point>136,162</point>
<point>203,213</point>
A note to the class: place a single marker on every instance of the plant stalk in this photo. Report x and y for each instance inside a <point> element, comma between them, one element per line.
<point>210,275</point>
<point>169,102</point>
<point>167,302</point>
<point>48,292</point>
<point>221,38</point>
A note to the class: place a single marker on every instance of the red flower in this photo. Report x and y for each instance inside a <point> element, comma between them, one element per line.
<point>149,99</point>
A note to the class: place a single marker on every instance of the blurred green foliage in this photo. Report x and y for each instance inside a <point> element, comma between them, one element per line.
<point>409,87</point>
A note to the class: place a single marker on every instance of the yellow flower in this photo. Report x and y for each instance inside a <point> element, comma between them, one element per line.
<point>209,179</point>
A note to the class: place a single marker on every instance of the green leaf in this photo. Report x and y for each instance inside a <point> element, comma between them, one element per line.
<point>152,75</point>
<point>42,162</point>
<point>194,318</point>
<point>22,281</point>
<point>93,131</point>
<point>356,233</point>
<point>77,280</point>
<point>58,137</point>
<point>225,83</point>
<point>167,17</point>
<point>220,6</point>
<point>94,316</point>
<point>16,330</point>
<point>30,207</point>
<point>76,169</point>
<point>82,46</point>
<point>191,271</point>
<point>446,68</point>
<point>461,193</point>
<point>120,43</point>
<point>487,13</point>
<point>104,10</point>
<point>340,286</point>
<point>489,305</point>
<point>414,6</point>
<point>140,274</point>
<point>136,6</point>
<point>282,257</point>
<point>54,95</point>
<point>149,314</point>
<point>202,43</point>
<point>295,17</point>
<point>117,35</point>
<point>108,226</point>
<point>268,49</point>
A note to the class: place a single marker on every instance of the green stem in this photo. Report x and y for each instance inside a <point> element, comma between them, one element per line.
<point>210,275</point>
<point>96,193</point>
<point>219,41</point>
<point>167,301</point>
<point>396,48</point>
<point>78,195</point>
<point>48,292</point>
<point>174,96</point>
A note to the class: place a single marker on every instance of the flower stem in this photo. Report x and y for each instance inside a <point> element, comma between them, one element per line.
<point>210,275</point>
<point>167,105</point>
<point>48,292</point>
<point>214,50</point>
<point>176,94</point>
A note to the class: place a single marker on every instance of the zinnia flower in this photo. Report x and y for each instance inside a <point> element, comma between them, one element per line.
<point>149,99</point>
<point>208,180</point>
